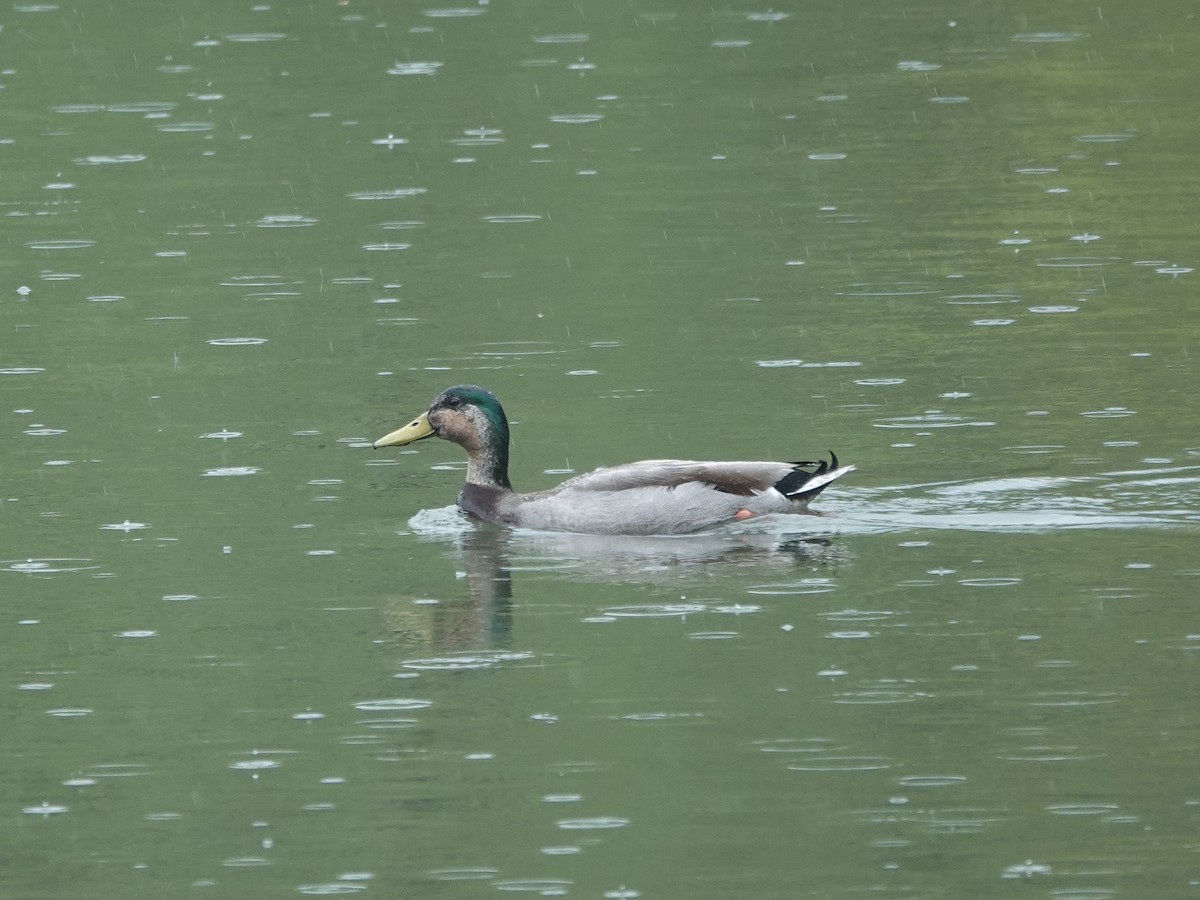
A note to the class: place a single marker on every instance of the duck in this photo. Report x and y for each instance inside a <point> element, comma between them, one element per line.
<point>653,496</point>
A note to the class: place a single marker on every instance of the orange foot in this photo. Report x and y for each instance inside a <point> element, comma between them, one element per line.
<point>743,514</point>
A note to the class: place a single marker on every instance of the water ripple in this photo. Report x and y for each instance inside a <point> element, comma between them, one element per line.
<point>392,704</point>
<point>1081,809</point>
<point>330,889</point>
<point>468,660</point>
<point>654,610</point>
<point>45,809</point>
<point>116,159</point>
<point>463,873</point>
<point>387,194</point>
<point>930,781</point>
<point>577,118</point>
<point>1047,37</point>
<point>125,526</point>
<point>117,770</point>
<point>185,127</point>
<point>1156,497</point>
<point>593,823</point>
<point>1074,262</point>
<point>383,247</point>
<point>263,37</point>
<point>143,107</point>
<point>794,588</point>
<point>546,887</point>
<point>52,566</point>
<point>931,419</point>
<point>801,364</point>
<point>883,696</point>
<point>414,68</point>
<point>58,245</point>
<point>572,38</point>
<point>843,764</point>
<point>455,12</point>
<point>286,221</point>
<point>512,219</point>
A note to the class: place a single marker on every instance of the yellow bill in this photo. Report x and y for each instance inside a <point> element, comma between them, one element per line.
<point>413,431</point>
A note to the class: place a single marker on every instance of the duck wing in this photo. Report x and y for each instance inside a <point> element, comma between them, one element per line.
<point>743,479</point>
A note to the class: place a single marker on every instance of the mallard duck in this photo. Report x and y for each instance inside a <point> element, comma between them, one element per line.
<point>654,496</point>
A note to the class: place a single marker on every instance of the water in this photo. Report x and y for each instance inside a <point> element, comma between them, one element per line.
<point>248,656</point>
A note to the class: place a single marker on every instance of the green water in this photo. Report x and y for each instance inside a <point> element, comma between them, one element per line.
<point>246,656</point>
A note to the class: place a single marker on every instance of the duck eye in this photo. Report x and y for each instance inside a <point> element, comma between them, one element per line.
<point>453,402</point>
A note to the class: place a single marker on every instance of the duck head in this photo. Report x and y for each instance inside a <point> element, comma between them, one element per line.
<point>471,417</point>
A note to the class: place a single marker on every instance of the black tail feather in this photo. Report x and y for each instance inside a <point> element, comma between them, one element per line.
<point>792,484</point>
<point>832,464</point>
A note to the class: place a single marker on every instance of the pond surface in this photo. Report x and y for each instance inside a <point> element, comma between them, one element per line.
<point>247,656</point>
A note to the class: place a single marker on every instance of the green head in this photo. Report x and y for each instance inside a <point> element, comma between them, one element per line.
<point>471,417</point>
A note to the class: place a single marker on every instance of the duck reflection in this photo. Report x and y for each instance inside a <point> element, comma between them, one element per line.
<point>487,557</point>
<point>660,559</point>
<point>481,617</point>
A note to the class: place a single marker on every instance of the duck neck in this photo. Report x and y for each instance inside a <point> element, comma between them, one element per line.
<point>487,464</point>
